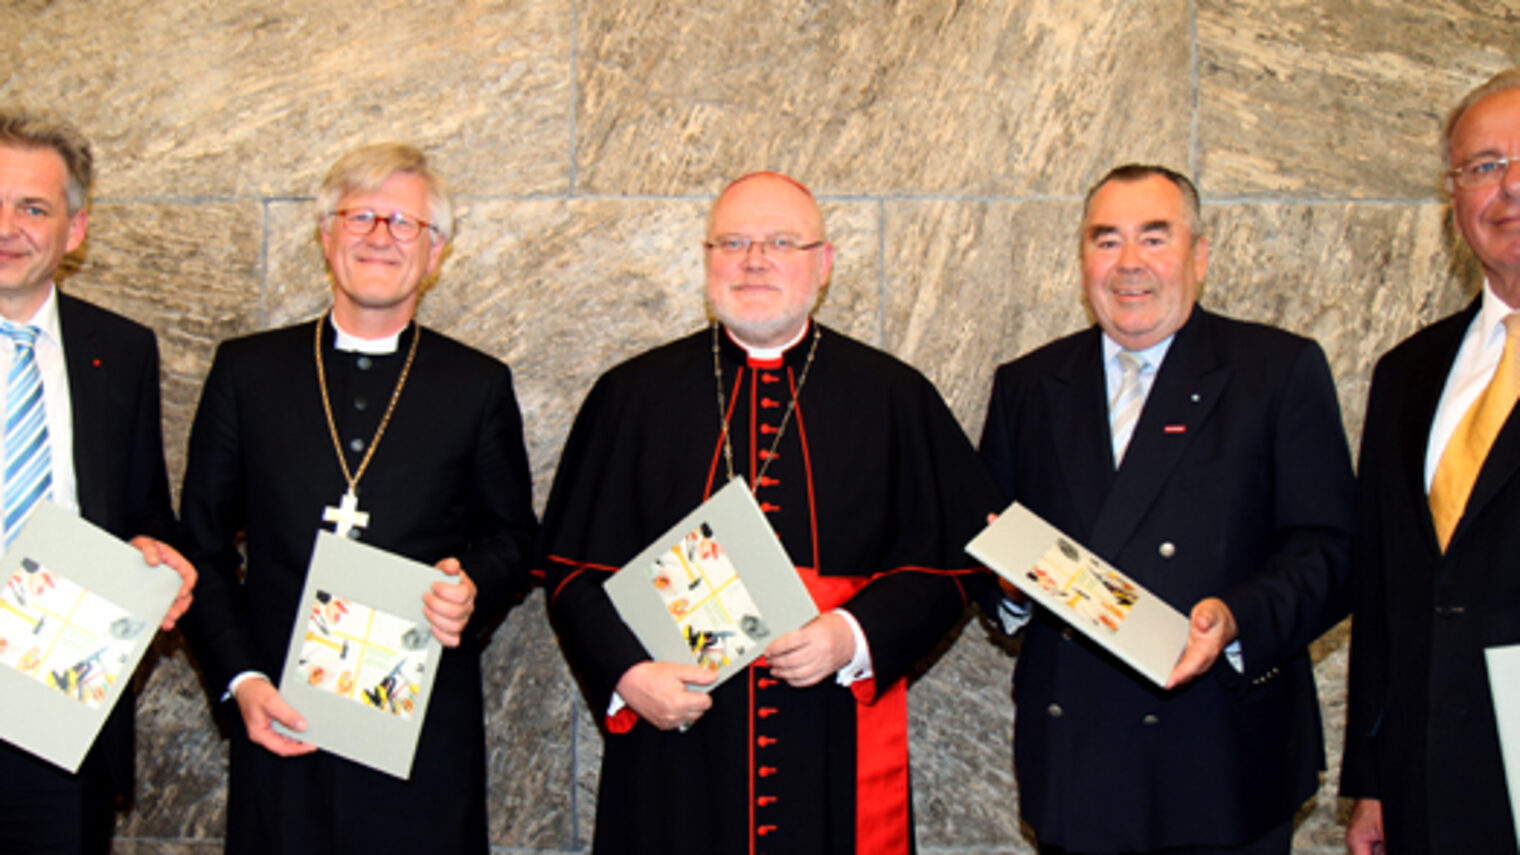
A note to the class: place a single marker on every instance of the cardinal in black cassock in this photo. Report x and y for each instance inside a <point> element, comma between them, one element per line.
<point>873,490</point>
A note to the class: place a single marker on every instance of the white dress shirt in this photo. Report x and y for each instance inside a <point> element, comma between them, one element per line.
<point>55,396</point>
<point>1476,361</point>
<point>1113,372</point>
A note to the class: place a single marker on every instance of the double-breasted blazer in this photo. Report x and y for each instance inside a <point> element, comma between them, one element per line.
<point>1236,484</point>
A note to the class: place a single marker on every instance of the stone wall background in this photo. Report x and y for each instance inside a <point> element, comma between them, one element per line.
<point>950,142</point>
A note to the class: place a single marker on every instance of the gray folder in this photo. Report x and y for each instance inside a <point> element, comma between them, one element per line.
<point>78,610</point>
<point>715,589</point>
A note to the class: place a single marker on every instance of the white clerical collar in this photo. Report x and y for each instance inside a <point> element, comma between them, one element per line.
<point>766,354</point>
<point>347,341</point>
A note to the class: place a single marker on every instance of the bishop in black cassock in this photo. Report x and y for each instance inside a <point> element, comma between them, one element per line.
<point>873,490</point>
<point>448,480</point>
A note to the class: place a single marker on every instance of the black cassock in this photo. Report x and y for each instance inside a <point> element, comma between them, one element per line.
<point>874,492</point>
<point>449,478</point>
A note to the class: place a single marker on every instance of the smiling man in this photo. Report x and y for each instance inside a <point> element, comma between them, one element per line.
<point>1205,458</point>
<point>87,438</point>
<point>873,491</point>
<point>1437,534</point>
<point>402,438</point>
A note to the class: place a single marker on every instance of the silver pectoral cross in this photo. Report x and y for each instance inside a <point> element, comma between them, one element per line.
<point>347,516</point>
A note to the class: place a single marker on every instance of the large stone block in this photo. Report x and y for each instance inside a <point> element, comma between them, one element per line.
<point>918,97</point>
<point>181,757</point>
<point>1358,278</point>
<point>1334,100</point>
<point>210,98</point>
<point>564,290</point>
<point>960,731</point>
<point>530,709</point>
<point>971,285</point>
<point>189,271</point>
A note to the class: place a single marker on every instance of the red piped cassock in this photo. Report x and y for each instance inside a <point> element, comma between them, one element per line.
<point>874,492</point>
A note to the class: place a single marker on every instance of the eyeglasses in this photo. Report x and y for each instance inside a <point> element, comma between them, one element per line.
<point>1482,171</point>
<point>782,244</point>
<point>405,228</point>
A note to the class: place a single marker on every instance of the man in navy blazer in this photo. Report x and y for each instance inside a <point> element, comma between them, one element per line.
<point>1422,747</point>
<point>99,382</point>
<point>1219,479</point>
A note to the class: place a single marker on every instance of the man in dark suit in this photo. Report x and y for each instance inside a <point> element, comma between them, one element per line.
<point>100,450</point>
<point>421,439</point>
<point>1438,533</point>
<point>1214,470</point>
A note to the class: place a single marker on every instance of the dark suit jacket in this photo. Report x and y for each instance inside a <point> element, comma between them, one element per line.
<point>449,478</point>
<point>1421,733</point>
<point>1236,484</point>
<point>121,484</point>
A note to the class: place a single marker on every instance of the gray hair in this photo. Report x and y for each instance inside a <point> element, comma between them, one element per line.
<point>1132,172</point>
<point>1509,78</point>
<point>366,168</point>
<point>33,129</point>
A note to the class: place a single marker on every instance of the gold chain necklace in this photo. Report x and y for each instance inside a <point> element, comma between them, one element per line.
<point>786,419</point>
<point>346,516</point>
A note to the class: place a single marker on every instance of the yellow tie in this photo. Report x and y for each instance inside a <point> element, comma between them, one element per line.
<point>1474,436</point>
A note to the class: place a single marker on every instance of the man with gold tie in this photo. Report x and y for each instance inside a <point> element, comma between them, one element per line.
<point>1437,538</point>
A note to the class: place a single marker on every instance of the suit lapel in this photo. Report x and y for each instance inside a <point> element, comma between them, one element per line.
<point>87,388</point>
<point>1423,391</point>
<point>1498,470</point>
<point>1078,411</point>
<point>1187,387</point>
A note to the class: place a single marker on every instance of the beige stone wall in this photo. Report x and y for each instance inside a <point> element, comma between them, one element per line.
<point>951,142</point>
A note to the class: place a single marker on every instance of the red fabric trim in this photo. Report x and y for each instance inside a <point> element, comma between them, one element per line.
<point>580,567</point>
<point>750,684</point>
<point>830,592</point>
<point>960,589</point>
<point>756,453</point>
<point>555,594</point>
<point>587,565</point>
<point>881,783</point>
<point>807,465</point>
<point>864,690</point>
<point>622,721</point>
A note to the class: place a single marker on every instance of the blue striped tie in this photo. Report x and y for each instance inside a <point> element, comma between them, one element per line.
<point>28,461</point>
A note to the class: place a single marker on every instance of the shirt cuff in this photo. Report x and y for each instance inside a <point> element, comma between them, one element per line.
<point>1234,655</point>
<point>1012,616</point>
<point>242,678</point>
<point>859,668</point>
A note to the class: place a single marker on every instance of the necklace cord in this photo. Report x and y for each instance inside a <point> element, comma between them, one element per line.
<point>385,420</point>
<point>786,419</point>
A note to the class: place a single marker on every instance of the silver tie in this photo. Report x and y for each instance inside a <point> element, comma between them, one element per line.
<point>1124,409</point>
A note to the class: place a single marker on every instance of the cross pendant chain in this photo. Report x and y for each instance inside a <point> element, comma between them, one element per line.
<point>347,516</point>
